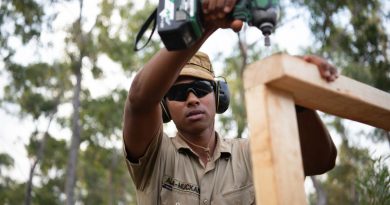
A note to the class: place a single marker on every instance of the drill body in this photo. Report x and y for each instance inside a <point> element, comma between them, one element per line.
<point>179,22</point>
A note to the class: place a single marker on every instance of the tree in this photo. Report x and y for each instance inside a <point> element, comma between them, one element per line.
<point>358,44</point>
<point>234,67</point>
<point>373,185</point>
<point>37,89</point>
<point>79,38</point>
<point>6,194</point>
<point>353,35</point>
<point>40,88</point>
<point>357,179</point>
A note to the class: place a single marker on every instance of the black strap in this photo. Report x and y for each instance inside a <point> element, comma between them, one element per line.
<point>141,32</point>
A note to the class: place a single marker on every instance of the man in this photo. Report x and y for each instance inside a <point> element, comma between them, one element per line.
<point>199,166</point>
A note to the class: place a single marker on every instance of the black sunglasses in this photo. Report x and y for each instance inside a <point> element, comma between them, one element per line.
<point>180,91</point>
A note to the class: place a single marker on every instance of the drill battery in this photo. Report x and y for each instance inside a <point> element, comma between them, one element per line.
<point>179,23</point>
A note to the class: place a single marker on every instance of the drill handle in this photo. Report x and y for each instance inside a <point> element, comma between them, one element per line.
<point>241,11</point>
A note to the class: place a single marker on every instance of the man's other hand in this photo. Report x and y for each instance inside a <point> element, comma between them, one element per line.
<point>327,71</point>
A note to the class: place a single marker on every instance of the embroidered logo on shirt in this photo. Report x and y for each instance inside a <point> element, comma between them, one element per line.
<point>171,183</point>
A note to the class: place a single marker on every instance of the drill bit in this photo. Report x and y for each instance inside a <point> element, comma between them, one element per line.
<point>267,41</point>
<point>266,29</point>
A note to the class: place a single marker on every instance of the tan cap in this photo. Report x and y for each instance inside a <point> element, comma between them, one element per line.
<point>199,66</point>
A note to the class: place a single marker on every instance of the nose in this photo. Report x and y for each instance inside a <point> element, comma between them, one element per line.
<point>192,99</point>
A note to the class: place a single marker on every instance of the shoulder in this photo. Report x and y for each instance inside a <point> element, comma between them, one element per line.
<point>240,152</point>
<point>240,142</point>
<point>236,146</point>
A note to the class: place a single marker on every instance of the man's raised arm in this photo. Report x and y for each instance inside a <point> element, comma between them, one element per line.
<point>142,113</point>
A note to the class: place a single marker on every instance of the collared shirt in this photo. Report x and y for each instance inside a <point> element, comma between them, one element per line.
<point>171,173</point>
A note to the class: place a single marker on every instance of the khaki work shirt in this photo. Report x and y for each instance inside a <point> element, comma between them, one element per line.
<point>171,173</point>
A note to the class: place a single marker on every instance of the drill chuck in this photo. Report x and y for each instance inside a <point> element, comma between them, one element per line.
<point>265,20</point>
<point>266,28</point>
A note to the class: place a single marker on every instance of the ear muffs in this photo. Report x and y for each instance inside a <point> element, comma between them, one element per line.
<point>222,100</point>
<point>166,116</point>
<point>222,96</point>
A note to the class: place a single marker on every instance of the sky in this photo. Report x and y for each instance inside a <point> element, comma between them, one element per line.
<point>291,37</point>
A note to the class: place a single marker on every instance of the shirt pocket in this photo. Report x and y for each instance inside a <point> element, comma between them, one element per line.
<point>175,197</point>
<point>242,196</point>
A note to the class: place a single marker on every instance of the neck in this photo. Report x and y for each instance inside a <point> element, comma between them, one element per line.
<point>203,145</point>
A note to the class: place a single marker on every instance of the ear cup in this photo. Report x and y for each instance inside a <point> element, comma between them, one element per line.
<point>222,96</point>
<point>164,111</point>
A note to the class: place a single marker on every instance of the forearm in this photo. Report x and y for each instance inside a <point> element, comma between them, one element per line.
<point>318,150</point>
<point>159,73</point>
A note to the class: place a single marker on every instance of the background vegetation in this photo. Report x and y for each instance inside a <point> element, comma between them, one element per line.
<point>68,83</point>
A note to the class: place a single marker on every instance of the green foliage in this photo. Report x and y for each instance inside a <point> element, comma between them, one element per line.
<point>373,184</point>
<point>340,183</point>
<point>353,35</point>
<point>8,186</point>
<point>54,148</point>
<point>39,89</point>
<point>96,112</point>
<point>233,70</point>
<point>359,43</point>
<point>36,87</point>
<point>357,177</point>
<point>25,17</point>
<point>106,181</point>
<point>233,75</point>
<point>6,160</point>
<point>11,191</point>
<point>117,39</point>
<point>50,191</point>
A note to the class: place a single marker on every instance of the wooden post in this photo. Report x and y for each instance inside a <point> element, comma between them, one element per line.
<point>274,146</point>
<point>272,87</point>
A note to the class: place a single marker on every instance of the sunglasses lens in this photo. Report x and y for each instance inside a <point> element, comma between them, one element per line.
<point>202,88</point>
<point>180,92</point>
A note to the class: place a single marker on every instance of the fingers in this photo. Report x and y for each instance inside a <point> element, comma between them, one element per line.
<point>333,73</point>
<point>217,8</point>
<point>327,71</point>
<point>215,14</point>
<point>205,6</point>
<point>229,5</point>
<point>220,5</point>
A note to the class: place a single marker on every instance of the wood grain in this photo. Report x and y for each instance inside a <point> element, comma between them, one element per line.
<point>276,155</point>
<point>345,97</point>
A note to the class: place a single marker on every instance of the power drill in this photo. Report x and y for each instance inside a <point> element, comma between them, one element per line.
<point>179,22</point>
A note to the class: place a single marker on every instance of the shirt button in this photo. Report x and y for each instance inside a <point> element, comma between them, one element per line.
<point>205,201</point>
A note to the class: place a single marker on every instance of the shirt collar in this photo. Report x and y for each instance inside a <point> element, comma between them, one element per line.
<point>222,148</point>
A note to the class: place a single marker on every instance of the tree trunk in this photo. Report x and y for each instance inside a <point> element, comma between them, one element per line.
<point>42,144</point>
<point>75,144</point>
<point>242,43</point>
<point>27,199</point>
<point>321,194</point>
<point>111,182</point>
<point>70,182</point>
